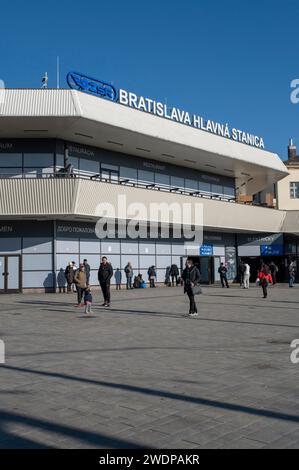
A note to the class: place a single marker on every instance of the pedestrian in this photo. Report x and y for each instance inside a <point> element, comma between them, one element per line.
<point>167,276</point>
<point>223,275</point>
<point>69,275</point>
<point>129,275</point>
<point>75,269</point>
<point>265,279</point>
<point>61,280</point>
<point>87,271</point>
<point>105,274</point>
<point>88,301</point>
<point>246,276</point>
<point>80,281</point>
<point>274,271</point>
<point>191,278</point>
<point>292,273</point>
<point>118,277</point>
<point>174,273</point>
<point>241,273</point>
<point>152,275</point>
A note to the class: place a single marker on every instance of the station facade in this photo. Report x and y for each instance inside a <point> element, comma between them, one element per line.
<point>48,215</point>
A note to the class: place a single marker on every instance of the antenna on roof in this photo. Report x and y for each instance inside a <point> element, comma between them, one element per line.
<point>58,71</point>
<point>45,80</point>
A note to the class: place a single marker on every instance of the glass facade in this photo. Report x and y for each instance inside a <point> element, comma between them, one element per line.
<point>45,158</point>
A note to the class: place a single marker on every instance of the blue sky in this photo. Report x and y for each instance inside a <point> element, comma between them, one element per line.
<point>229,61</point>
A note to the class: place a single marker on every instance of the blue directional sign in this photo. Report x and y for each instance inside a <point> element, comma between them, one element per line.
<point>206,250</point>
<point>271,250</point>
<point>80,82</point>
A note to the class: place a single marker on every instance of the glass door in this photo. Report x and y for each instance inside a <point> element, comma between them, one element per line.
<point>10,270</point>
<point>2,274</point>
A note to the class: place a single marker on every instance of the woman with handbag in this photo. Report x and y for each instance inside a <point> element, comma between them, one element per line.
<point>191,277</point>
<point>265,279</point>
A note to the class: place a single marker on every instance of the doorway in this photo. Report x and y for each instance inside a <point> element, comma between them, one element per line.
<point>10,274</point>
<point>205,264</point>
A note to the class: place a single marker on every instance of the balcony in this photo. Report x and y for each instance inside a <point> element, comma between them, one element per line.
<point>79,198</point>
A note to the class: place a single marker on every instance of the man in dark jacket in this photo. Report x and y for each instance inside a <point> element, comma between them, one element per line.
<point>174,273</point>
<point>129,275</point>
<point>87,271</point>
<point>223,275</point>
<point>191,277</point>
<point>105,274</point>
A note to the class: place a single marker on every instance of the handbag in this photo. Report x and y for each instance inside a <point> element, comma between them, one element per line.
<point>196,290</point>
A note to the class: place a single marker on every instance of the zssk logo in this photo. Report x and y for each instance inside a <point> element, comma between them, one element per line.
<point>90,85</point>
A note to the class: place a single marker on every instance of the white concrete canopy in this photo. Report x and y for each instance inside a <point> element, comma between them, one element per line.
<point>85,119</point>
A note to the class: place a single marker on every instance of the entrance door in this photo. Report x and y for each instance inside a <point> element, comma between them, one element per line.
<point>10,274</point>
<point>205,264</point>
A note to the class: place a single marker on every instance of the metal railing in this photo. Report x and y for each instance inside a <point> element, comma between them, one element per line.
<point>131,183</point>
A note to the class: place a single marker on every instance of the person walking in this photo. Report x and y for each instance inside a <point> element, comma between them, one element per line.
<point>191,278</point>
<point>118,277</point>
<point>241,273</point>
<point>80,282</point>
<point>75,269</point>
<point>88,301</point>
<point>246,276</point>
<point>152,275</point>
<point>265,279</point>
<point>292,273</point>
<point>167,276</point>
<point>223,275</point>
<point>105,274</point>
<point>274,271</point>
<point>69,275</point>
<point>87,271</point>
<point>129,275</point>
<point>174,273</point>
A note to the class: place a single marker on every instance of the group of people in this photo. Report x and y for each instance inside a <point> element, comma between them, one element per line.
<point>78,280</point>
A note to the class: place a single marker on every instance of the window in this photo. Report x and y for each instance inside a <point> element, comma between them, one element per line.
<point>10,160</point>
<point>162,179</point>
<point>128,173</point>
<point>38,160</point>
<point>146,176</point>
<point>294,190</point>
<point>177,182</point>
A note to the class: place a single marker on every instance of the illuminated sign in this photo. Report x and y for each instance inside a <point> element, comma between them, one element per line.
<point>99,88</point>
<point>102,89</point>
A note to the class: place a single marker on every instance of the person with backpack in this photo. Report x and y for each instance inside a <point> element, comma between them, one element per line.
<point>105,274</point>
<point>152,275</point>
<point>191,278</point>
<point>129,275</point>
<point>265,279</point>
<point>223,275</point>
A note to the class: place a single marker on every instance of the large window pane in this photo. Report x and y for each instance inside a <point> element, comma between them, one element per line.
<point>177,182</point>
<point>89,166</point>
<point>203,186</point>
<point>162,179</point>
<point>146,176</point>
<point>128,173</point>
<point>38,160</point>
<point>133,260</point>
<point>191,184</point>
<point>38,279</point>
<point>37,262</point>
<point>294,190</point>
<point>129,248</point>
<point>67,246</point>
<point>163,262</point>
<point>37,245</point>
<point>10,159</point>
<point>163,248</point>
<point>110,247</point>
<point>11,172</point>
<point>147,248</point>
<point>228,191</point>
<point>217,189</point>
<point>146,261</point>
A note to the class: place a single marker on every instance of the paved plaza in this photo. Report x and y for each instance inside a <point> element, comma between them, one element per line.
<point>143,375</point>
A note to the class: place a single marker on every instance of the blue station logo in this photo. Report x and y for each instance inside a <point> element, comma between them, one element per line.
<point>90,85</point>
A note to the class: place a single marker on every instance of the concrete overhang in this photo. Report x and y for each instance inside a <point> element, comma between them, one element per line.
<point>85,119</point>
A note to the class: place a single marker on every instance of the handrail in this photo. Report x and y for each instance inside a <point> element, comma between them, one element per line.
<point>132,183</point>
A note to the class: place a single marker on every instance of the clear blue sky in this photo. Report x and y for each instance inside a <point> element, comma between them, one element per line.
<point>231,61</point>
